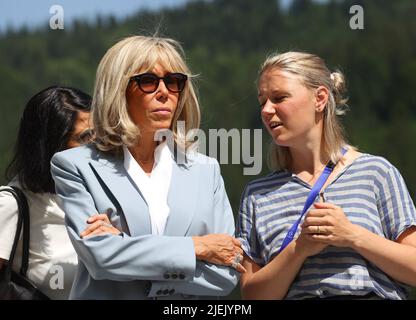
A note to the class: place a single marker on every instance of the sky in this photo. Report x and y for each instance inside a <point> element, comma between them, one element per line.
<point>34,13</point>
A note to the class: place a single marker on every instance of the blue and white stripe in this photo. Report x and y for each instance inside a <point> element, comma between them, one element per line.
<point>372,194</point>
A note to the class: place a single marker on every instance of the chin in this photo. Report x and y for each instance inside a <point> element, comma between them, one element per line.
<point>162,126</point>
<point>281,142</point>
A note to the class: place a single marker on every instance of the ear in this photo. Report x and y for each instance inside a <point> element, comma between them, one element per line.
<point>321,98</point>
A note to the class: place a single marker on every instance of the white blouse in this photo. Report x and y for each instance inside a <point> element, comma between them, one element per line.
<point>154,188</point>
<point>52,259</point>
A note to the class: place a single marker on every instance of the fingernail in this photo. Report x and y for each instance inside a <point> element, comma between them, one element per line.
<point>89,219</point>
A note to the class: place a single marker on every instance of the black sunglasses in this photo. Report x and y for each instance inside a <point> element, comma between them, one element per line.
<point>149,82</point>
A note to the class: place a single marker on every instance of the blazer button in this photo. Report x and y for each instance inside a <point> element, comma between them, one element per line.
<point>181,276</point>
<point>166,275</point>
<point>166,292</point>
<point>159,292</point>
<point>174,275</point>
<point>172,292</point>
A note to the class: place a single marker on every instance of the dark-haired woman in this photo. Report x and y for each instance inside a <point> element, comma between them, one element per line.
<point>54,119</point>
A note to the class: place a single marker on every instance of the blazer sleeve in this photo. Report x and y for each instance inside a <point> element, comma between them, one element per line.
<point>209,279</point>
<point>118,258</point>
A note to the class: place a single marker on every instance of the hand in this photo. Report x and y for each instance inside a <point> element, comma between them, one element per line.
<point>99,224</point>
<point>306,246</point>
<point>218,249</point>
<point>327,223</point>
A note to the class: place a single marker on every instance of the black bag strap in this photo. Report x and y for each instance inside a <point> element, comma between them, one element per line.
<point>22,221</point>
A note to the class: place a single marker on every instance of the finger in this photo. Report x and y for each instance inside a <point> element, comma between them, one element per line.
<point>109,227</point>
<point>309,230</point>
<point>114,230</point>
<point>97,232</point>
<point>324,205</point>
<point>320,238</point>
<point>240,268</point>
<point>317,213</point>
<point>237,242</point>
<point>239,251</point>
<point>103,217</point>
<point>321,230</point>
<point>313,221</point>
<point>91,228</point>
<point>104,229</point>
<point>96,217</point>
<point>93,218</point>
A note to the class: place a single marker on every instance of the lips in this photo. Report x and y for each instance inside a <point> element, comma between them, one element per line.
<point>162,110</point>
<point>275,124</point>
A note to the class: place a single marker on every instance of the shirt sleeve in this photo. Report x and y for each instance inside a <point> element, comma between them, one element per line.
<point>246,228</point>
<point>396,208</point>
<point>8,223</point>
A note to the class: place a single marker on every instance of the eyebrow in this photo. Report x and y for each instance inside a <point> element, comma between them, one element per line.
<point>276,91</point>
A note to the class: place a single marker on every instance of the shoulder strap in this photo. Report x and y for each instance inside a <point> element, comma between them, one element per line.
<point>311,198</point>
<point>22,221</point>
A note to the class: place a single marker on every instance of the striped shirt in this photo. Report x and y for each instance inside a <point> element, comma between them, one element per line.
<point>372,194</point>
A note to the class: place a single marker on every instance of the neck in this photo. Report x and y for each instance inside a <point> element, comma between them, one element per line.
<point>309,157</point>
<point>144,152</point>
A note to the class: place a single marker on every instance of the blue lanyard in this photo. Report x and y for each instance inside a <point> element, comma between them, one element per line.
<point>311,198</point>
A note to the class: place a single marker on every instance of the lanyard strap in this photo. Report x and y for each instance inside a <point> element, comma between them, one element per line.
<point>311,198</point>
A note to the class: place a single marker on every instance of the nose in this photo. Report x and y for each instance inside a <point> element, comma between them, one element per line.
<point>162,88</point>
<point>268,108</point>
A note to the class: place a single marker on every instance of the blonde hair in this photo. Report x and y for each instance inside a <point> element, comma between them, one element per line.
<point>313,73</point>
<point>112,123</point>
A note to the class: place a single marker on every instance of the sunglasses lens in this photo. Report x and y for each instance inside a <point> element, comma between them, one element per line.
<point>148,83</point>
<point>175,82</point>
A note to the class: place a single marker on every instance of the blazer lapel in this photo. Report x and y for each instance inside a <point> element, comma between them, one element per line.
<point>182,199</point>
<point>113,175</point>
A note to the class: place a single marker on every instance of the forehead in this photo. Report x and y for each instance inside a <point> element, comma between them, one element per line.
<point>157,67</point>
<point>161,61</point>
<point>276,79</point>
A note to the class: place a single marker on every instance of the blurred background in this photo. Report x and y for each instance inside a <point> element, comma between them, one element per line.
<point>225,42</point>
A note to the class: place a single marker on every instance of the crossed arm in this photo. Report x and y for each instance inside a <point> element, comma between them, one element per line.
<point>125,258</point>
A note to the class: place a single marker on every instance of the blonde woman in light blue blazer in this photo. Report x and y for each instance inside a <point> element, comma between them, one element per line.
<point>167,231</point>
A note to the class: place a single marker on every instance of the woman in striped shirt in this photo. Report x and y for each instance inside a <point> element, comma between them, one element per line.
<point>358,240</point>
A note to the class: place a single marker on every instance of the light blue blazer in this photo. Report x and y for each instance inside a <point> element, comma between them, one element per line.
<point>137,264</point>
